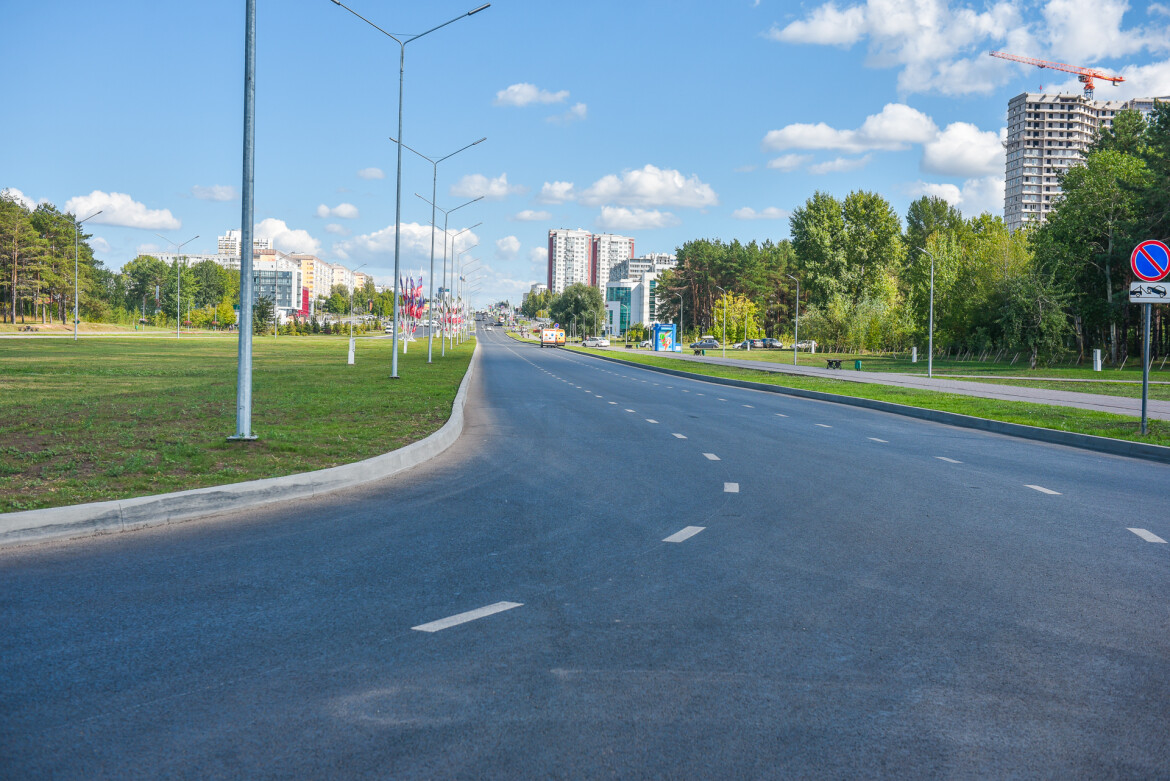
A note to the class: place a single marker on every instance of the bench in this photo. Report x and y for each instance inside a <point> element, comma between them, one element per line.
<point>833,363</point>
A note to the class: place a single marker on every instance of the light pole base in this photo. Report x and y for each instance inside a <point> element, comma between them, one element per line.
<point>243,437</point>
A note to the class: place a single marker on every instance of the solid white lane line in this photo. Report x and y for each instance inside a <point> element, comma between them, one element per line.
<point>685,534</point>
<point>711,456</point>
<point>680,436</point>
<point>731,488</point>
<point>875,439</point>
<point>1042,489</point>
<point>822,425</point>
<point>651,420</point>
<point>463,618</point>
<point>948,460</point>
<point>1147,536</point>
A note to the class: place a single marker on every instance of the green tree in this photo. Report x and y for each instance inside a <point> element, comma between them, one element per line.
<point>21,250</point>
<point>1032,315</point>
<point>930,214</point>
<point>579,305</point>
<point>262,312</point>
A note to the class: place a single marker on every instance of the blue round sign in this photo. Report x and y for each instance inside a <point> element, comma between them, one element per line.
<point>1150,261</point>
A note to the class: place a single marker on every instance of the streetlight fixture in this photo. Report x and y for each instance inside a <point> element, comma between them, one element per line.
<point>443,344</point>
<point>796,334</point>
<point>724,319</point>
<point>178,280</point>
<point>76,244</point>
<point>930,329</point>
<point>398,177</point>
<point>434,186</point>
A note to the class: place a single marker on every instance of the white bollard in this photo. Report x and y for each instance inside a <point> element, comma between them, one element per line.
<point>913,355</point>
<point>1096,360</point>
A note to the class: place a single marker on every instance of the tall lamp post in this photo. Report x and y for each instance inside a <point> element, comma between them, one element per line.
<point>724,319</point>
<point>796,334</point>
<point>178,280</point>
<point>930,327</point>
<point>351,287</point>
<point>456,258</point>
<point>680,314</point>
<point>430,329</point>
<point>462,279</point>
<point>398,177</point>
<point>434,186</point>
<point>76,244</point>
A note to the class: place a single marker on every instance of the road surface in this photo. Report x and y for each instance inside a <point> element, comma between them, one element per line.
<point>616,573</point>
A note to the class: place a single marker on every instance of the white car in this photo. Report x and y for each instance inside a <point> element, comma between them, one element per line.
<point>594,341</point>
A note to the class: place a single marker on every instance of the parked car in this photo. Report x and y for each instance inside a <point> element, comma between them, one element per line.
<point>744,345</point>
<point>645,344</point>
<point>594,341</point>
<point>807,344</point>
<point>772,344</point>
<point>706,343</point>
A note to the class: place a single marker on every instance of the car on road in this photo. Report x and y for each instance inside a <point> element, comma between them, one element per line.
<point>706,343</point>
<point>772,344</point>
<point>594,341</point>
<point>487,328</point>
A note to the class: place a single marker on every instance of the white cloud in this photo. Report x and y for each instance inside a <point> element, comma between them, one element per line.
<point>770,213</point>
<point>523,94</point>
<point>964,150</point>
<point>977,195</point>
<point>334,228</point>
<point>415,247</point>
<point>788,162</point>
<point>538,255</point>
<point>577,112</point>
<point>120,209</point>
<point>1086,31</point>
<point>826,25</point>
<point>650,186</point>
<point>287,239</point>
<point>839,165</point>
<point>100,245</point>
<point>896,126</point>
<point>345,211</point>
<point>12,194</point>
<point>556,192</point>
<point>507,247</point>
<point>528,215</point>
<point>475,185</point>
<point>621,218</point>
<point>216,192</point>
<point>371,173</point>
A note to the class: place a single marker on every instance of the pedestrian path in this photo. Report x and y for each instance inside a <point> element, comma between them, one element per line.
<point>1117,405</point>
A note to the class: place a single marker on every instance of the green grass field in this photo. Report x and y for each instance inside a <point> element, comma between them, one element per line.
<point>113,418</point>
<point>1046,416</point>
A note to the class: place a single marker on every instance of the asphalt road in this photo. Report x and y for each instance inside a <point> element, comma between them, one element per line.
<point>675,579</point>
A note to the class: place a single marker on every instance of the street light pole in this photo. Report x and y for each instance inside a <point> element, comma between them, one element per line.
<point>398,176</point>
<point>442,342</point>
<point>244,343</point>
<point>434,187</point>
<point>680,315</point>
<point>463,322</point>
<point>724,319</point>
<point>796,334</point>
<point>178,281</point>
<point>930,331</point>
<point>76,245</point>
<point>456,258</point>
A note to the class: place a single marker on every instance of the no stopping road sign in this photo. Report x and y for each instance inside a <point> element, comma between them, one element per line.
<point>1150,261</point>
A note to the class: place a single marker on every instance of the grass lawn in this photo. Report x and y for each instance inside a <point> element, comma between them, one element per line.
<point>113,418</point>
<point>1101,424</point>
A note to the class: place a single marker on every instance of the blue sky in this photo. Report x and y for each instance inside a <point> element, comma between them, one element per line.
<point>665,122</point>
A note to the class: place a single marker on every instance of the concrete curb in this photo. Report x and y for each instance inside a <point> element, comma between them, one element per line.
<point>80,520</point>
<point>1116,447</point>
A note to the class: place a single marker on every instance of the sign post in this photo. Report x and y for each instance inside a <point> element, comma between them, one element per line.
<point>1150,262</point>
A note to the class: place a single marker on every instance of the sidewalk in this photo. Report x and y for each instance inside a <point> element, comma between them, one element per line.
<point>1118,405</point>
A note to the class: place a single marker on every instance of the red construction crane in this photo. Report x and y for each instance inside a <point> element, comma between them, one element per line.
<point>1084,75</point>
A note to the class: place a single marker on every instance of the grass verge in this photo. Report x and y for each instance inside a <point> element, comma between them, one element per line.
<point>1101,424</point>
<point>112,418</point>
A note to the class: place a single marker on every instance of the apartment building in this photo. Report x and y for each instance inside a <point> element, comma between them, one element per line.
<point>608,250</point>
<point>1046,133</point>
<point>580,256</point>
<point>636,268</point>
<point>229,244</point>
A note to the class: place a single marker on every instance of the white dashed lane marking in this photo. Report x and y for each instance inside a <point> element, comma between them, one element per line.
<point>613,402</point>
<point>1147,535</point>
<point>651,420</point>
<point>629,410</point>
<point>948,460</point>
<point>875,439</point>
<point>680,436</point>
<point>822,425</point>
<point>731,488</point>
<point>711,456</point>
<point>781,415</point>
<point>685,534</point>
<point>463,618</point>
<point>749,406</point>
<point>1042,489</point>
